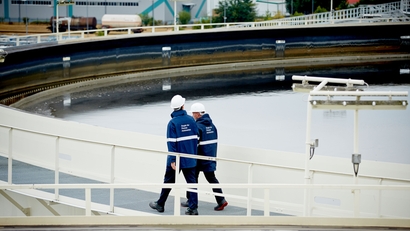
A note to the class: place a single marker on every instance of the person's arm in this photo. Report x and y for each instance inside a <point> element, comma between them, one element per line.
<point>171,142</point>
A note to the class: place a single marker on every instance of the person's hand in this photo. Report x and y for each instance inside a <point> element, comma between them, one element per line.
<point>173,166</point>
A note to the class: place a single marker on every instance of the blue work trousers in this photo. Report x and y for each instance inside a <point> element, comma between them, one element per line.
<point>169,178</point>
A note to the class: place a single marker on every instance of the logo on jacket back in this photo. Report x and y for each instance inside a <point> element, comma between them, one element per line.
<point>209,130</point>
<point>185,128</point>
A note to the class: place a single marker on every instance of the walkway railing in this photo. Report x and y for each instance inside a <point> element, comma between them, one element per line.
<point>180,188</point>
<point>74,148</point>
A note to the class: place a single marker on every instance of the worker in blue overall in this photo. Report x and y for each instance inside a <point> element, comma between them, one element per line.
<point>208,143</point>
<point>182,137</point>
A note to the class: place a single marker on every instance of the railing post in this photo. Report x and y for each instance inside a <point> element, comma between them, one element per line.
<point>379,199</point>
<point>249,201</point>
<point>57,168</point>
<point>88,201</point>
<point>177,199</point>
<point>10,155</point>
<point>266,212</point>
<point>112,178</point>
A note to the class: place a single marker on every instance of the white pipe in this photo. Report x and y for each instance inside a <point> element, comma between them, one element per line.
<point>266,212</point>
<point>330,80</point>
<point>112,178</point>
<point>356,132</point>
<point>10,156</point>
<point>356,151</point>
<point>88,201</point>
<point>249,202</point>
<point>177,198</point>
<point>57,25</point>
<point>320,86</point>
<point>57,168</point>
<point>359,93</point>
<point>307,156</point>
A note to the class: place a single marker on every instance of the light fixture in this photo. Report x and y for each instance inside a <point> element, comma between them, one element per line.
<point>314,144</point>
<point>356,159</point>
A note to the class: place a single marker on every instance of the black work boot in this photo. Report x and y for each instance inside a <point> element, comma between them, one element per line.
<point>154,205</point>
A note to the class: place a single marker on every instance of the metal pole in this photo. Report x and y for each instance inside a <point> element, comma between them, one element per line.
<point>249,200</point>
<point>225,12</point>
<point>313,6</point>
<point>19,11</point>
<point>26,18</point>
<point>87,16</point>
<point>10,157</point>
<point>57,24</point>
<point>307,155</point>
<point>175,15</point>
<point>57,168</point>
<point>177,198</point>
<point>356,151</point>
<point>153,19</point>
<point>356,132</point>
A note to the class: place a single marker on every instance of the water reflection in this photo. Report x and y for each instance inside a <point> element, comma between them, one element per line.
<point>252,109</point>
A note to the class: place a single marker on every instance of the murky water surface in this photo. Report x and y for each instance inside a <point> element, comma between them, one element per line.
<point>252,112</point>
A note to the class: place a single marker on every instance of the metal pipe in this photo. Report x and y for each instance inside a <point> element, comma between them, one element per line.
<point>359,93</point>
<point>10,156</point>
<point>57,168</point>
<point>112,178</point>
<point>330,80</point>
<point>249,201</point>
<point>307,156</point>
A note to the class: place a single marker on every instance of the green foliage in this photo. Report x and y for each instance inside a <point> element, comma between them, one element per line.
<point>99,33</point>
<point>146,20</point>
<point>236,11</point>
<point>306,6</point>
<point>203,21</point>
<point>376,1</point>
<point>298,14</point>
<point>320,10</point>
<point>267,16</point>
<point>1,19</point>
<point>278,15</point>
<point>343,5</point>
<point>184,17</point>
<point>26,20</point>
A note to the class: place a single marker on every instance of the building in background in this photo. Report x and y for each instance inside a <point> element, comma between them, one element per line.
<point>43,10</point>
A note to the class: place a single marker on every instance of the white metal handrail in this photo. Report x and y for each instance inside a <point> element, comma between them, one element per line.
<point>201,157</point>
<point>179,186</point>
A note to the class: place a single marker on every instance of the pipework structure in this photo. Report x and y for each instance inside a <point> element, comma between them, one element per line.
<point>350,99</point>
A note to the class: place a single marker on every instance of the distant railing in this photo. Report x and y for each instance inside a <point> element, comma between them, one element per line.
<point>382,13</point>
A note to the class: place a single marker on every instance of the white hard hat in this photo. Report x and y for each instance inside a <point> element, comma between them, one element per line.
<point>197,107</point>
<point>177,101</point>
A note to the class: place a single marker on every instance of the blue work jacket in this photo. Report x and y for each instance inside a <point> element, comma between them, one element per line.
<point>208,143</point>
<point>182,137</point>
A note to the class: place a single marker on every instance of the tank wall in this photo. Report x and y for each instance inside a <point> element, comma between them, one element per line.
<point>34,66</point>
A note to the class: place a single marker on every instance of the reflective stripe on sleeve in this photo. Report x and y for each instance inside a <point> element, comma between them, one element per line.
<point>208,142</point>
<point>193,137</point>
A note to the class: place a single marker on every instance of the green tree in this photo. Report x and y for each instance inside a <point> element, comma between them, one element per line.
<point>320,10</point>
<point>184,17</point>
<point>236,11</point>
<point>308,6</point>
<point>376,1</point>
<point>146,20</point>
